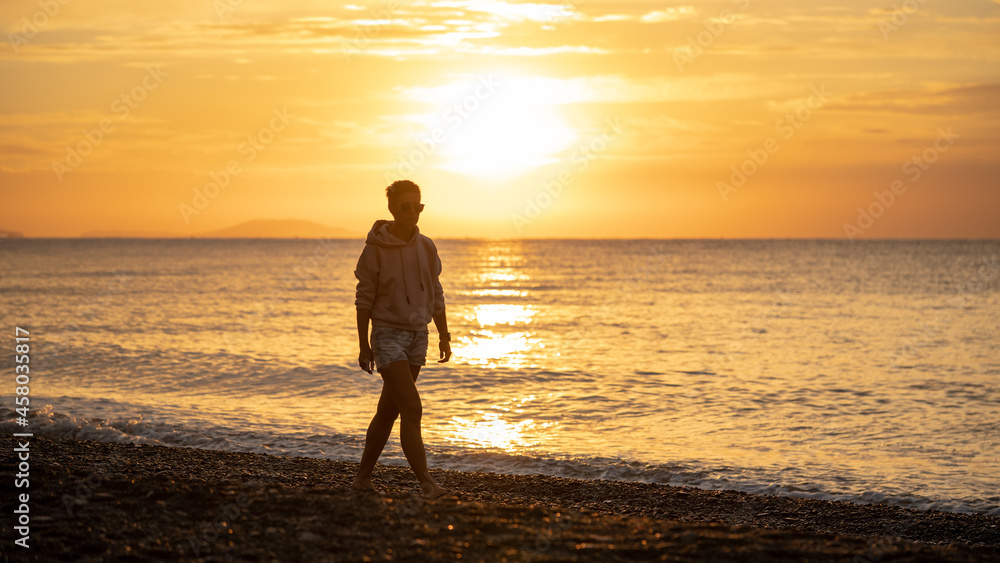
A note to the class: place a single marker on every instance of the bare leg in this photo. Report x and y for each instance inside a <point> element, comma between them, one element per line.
<point>403,390</point>
<point>378,434</point>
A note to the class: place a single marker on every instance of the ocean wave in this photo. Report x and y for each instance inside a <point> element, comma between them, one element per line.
<point>46,422</point>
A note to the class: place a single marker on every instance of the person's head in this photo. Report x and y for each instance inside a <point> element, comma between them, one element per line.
<point>404,202</point>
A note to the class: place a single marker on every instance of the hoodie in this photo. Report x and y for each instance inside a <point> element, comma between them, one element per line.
<point>398,280</point>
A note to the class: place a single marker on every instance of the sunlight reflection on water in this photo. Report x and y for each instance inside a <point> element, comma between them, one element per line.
<point>497,293</point>
<point>496,314</point>
<point>494,349</point>
<point>499,335</point>
<point>836,367</point>
<point>494,430</point>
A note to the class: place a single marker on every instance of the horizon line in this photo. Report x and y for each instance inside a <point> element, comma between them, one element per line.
<point>189,237</point>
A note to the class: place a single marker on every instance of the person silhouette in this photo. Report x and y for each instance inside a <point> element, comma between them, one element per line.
<point>399,293</point>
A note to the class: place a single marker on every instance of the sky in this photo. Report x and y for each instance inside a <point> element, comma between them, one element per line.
<point>840,119</point>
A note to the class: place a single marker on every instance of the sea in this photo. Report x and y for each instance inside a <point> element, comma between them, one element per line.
<point>864,371</point>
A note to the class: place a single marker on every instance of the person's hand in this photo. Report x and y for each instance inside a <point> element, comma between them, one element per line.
<point>366,358</point>
<point>445,347</point>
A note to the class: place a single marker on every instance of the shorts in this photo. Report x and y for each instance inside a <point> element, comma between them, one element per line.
<point>397,344</point>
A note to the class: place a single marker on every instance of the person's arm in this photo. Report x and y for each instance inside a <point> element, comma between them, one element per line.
<point>440,316</point>
<point>444,344</point>
<point>366,358</point>
<point>367,274</point>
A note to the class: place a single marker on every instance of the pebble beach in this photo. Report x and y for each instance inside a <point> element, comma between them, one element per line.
<point>103,501</point>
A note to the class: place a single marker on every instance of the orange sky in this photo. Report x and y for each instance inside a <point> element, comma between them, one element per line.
<point>576,118</point>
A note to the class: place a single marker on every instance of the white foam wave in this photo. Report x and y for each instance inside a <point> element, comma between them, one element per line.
<point>46,422</point>
<point>688,476</point>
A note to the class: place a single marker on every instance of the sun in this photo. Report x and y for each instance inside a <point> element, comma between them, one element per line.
<point>502,130</point>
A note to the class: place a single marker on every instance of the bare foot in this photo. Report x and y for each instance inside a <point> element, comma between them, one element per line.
<point>431,491</point>
<point>363,485</point>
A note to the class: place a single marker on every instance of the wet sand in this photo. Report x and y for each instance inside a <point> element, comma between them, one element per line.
<point>98,501</point>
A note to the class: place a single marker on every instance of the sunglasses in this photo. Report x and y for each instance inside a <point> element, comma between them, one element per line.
<point>408,207</point>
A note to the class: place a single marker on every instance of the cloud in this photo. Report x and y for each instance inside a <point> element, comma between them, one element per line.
<point>974,99</point>
<point>668,14</point>
<point>612,89</point>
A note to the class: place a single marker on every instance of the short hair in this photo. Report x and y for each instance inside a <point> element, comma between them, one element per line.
<point>400,187</point>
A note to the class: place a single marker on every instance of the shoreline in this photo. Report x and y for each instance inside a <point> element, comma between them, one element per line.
<point>98,501</point>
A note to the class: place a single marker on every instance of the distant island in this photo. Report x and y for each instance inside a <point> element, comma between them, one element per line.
<point>11,234</point>
<point>279,228</point>
<point>257,228</point>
